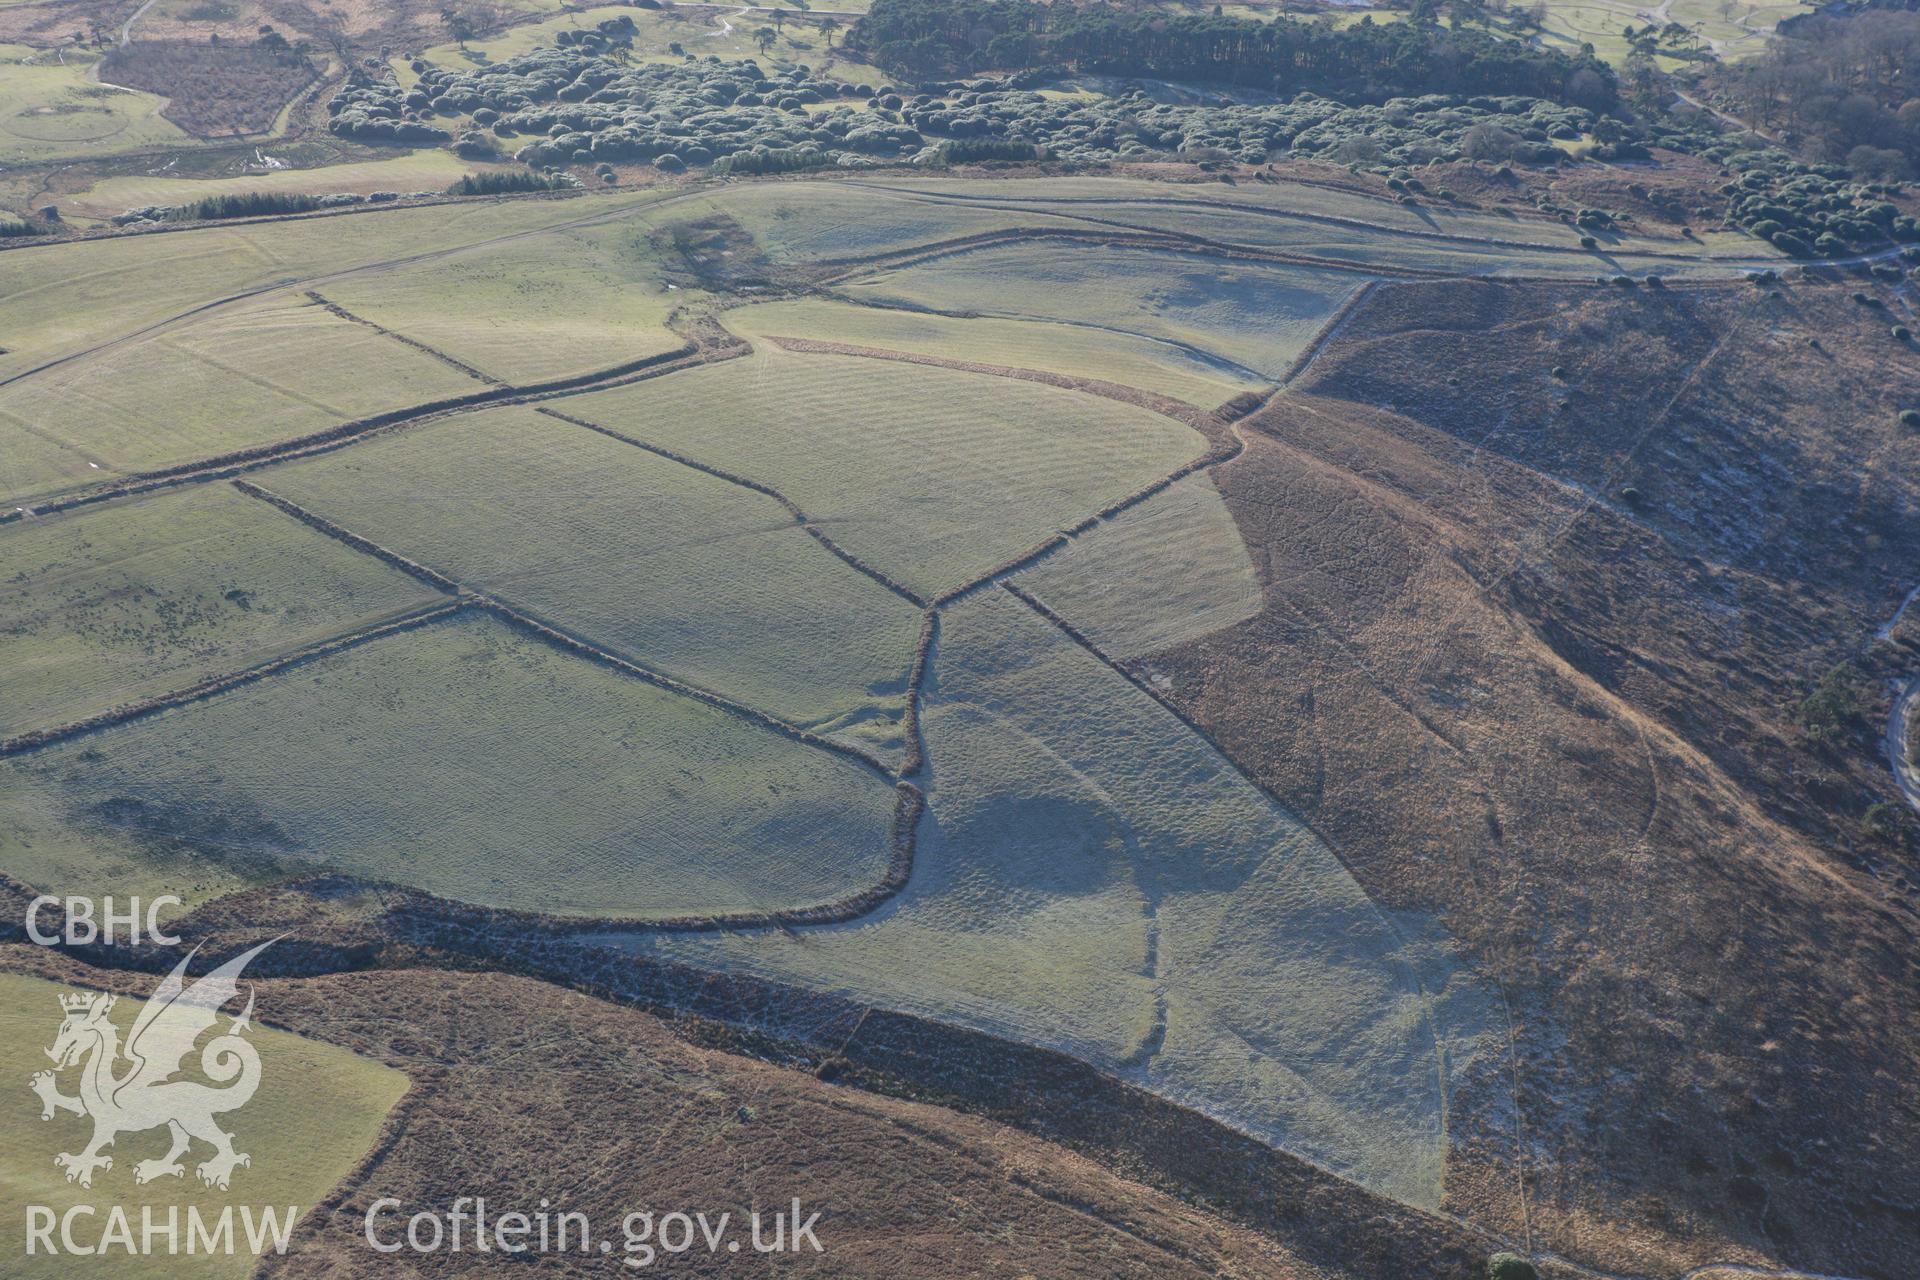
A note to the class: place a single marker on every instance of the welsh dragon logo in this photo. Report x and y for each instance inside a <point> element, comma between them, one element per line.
<point>147,1093</point>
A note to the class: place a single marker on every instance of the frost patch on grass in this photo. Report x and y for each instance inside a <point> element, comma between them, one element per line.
<point>1093,877</point>
<point>1161,574</point>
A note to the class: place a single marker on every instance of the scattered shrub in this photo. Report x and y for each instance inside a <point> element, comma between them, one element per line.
<point>1510,1266</point>
<point>1827,713</point>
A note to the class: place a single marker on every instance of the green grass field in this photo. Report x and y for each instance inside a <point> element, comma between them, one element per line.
<point>691,575</point>
<point>316,1113</point>
<point>1163,573</point>
<point>466,759</point>
<point>796,222</point>
<point>1057,348</point>
<point>270,370</point>
<point>932,475</point>
<point>103,606</point>
<point>67,298</point>
<point>430,169</point>
<point>1256,318</point>
<point>701,33</point>
<point>567,303</point>
<point>51,107</point>
<point>1730,28</point>
<point>1087,860</point>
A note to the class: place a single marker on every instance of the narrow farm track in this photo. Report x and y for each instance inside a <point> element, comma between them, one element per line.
<point>1053,203</point>
<point>1121,236</point>
<point>1899,744</point>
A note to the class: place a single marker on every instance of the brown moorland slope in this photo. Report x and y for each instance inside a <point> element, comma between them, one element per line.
<point>1535,668</point>
<point>521,1091</point>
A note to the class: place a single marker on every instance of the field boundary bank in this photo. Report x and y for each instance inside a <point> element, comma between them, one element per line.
<point>1025,204</point>
<point>1202,420</point>
<point>334,308</point>
<point>765,490</point>
<point>323,277</point>
<point>561,638</point>
<point>1143,1137</point>
<point>1085,642</point>
<point>225,466</point>
<point>1321,340</point>
<point>841,270</point>
<point>367,546</point>
<point>36,739</point>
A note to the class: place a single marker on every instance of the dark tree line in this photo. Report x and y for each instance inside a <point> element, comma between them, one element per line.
<point>1847,90</point>
<point>935,38</point>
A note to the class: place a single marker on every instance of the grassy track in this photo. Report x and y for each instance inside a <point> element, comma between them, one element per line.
<point>932,475</point>
<point>318,1110</point>
<point>810,221</point>
<point>698,578</point>
<point>111,605</point>
<point>464,758</point>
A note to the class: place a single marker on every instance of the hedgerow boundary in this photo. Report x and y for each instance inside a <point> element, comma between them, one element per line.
<point>334,308</point>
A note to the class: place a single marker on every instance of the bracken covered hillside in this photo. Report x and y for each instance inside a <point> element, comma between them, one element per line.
<point>1551,574</point>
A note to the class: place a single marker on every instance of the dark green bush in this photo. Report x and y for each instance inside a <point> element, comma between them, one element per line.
<point>1832,708</point>
<point>1510,1266</point>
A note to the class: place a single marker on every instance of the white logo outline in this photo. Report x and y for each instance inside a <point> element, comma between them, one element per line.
<point>148,1095</point>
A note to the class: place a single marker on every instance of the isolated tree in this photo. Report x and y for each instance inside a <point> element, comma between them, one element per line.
<point>459,26</point>
<point>780,19</point>
<point>830,27</point>
<point>766,36</point>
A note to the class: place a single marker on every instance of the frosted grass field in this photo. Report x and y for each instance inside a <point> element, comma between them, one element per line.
<point>933,475</point>
<point>469,760</point>
<point>704,580</point>
<point>107,605</point>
